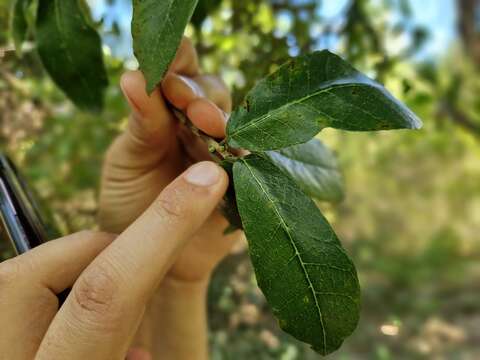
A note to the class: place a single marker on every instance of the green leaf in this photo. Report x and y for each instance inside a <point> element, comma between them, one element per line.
<point>304,273</point>
<point>71,52</point>
<point>87,15</point>
<point>229,205</point>
<point>157,29</point>
<point>19,23</point>
<point>307,94</point>
<point>314,168</point>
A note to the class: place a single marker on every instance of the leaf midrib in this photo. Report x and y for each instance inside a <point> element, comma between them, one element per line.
<point>160,33</point>
<point>297,254</point>
<point>269,114</point>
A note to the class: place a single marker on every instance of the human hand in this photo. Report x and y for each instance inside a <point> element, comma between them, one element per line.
<point>155,148</point>
<point>113,279</point>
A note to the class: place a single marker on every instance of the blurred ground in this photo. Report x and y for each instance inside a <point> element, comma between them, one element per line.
<point>411,218</point>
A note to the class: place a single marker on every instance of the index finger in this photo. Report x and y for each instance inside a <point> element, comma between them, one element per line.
<point>106,304</point>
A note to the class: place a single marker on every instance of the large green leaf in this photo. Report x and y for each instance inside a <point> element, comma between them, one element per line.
<point>307,94</point>
<point>313,166</point>
<point>157,29</point>
<point>305,274</point>
<point>71,52</point>
<point>19,23</point>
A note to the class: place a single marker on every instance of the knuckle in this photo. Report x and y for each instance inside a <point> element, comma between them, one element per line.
<point>111,155</point>
<point>96,295</point>
<point>169,205</point>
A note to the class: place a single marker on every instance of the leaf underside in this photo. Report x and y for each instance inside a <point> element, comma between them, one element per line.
<point>157,29</point>
<point>304,273</point>
<point>307,94</point>
<point>71,52</point>
<point>229,205</point>
<point>313,167</point>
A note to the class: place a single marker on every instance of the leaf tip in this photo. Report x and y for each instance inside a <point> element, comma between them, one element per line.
<point>150,87</point>
<point>414,122</point>
<point>417,123</point>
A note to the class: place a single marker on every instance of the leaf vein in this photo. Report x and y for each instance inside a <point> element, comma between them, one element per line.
<point>255,123</point>
<point>297,254</point>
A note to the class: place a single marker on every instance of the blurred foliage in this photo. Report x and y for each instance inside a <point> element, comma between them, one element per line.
<point>411,217</point>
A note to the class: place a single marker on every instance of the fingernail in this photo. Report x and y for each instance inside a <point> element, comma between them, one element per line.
<point>190,83</point>
<point>138,354</point>
<point>203,174</point>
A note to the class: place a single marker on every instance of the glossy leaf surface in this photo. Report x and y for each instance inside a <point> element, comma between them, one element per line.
<point>307,94</point>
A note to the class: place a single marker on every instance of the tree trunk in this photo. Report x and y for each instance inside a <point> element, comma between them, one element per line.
<point>469,27</point>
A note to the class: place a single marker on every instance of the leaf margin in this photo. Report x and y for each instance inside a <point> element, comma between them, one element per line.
<point>321,180</point>
<point>355,318</point>
<point>265,90</point>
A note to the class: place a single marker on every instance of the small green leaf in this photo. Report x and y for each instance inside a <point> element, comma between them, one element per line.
<point>157,29</point>
<point>19,23</point>
<point>310,93</point>
<point>304,273</point>
<point>314,168</point>
<point>71,52</point>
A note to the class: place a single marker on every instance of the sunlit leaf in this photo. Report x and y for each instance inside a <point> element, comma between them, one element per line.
<point>307,94</point>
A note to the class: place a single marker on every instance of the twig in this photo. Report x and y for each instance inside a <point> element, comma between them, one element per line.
<point>460,118</point>
<point>218,150</point>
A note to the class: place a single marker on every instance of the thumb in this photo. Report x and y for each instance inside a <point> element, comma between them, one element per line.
<point>101,315</point>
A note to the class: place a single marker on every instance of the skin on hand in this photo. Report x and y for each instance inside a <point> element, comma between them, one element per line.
<point>155,148</point>
<point>113,278</point>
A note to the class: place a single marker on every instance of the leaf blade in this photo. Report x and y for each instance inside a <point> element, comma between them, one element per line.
<point>157,29</point>
<point>307,94</point>
<point>71,52</point>
<point>295,253</point>
<point>314,168</point>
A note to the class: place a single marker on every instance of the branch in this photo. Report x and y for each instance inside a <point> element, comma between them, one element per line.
<point>218,150</point>
<point>459,117</point>
<point>468,28</point>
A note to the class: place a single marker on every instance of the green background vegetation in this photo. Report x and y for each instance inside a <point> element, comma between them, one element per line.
<point>411,217</point>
